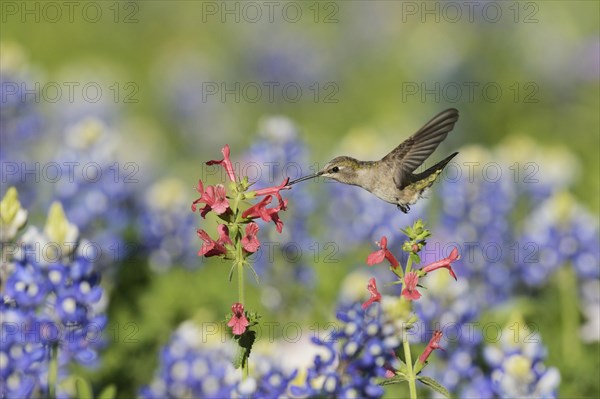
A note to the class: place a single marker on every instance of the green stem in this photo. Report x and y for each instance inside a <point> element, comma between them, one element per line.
<point>408,265</point>
<point>239,260</point>
<point>567,285</point>
<point>409,368</point>
<point>239,254</point>
<point>240,267</point>
<point>53,371</point>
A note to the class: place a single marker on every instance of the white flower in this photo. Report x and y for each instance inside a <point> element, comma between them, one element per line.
<point>12,216</point>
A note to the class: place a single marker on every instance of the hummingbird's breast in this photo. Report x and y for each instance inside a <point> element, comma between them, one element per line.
<point>378,179</point>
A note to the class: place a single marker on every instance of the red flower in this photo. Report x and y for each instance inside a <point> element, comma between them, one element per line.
<point>443,263</point>
<point>410,286</point>
<point>212,247</point>
<point>238,321</point>
<point>378,256</point>
<point>214,198</point>
<point>250,242</point>
<point>434,343</point>
<point>260,210</point>
<point>375,295</point>
<point>275,191</point>
<point>225,162</point>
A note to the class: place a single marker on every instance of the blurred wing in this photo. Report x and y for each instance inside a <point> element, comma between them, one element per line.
<point>409,155</point>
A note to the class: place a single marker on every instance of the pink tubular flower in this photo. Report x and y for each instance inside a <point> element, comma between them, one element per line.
<point>250,242</point>
<point>410,287</point>
<point>378,256</point>
<point>275,191</point>
<point>434,343</point>
<point>214,197</point>
<point>225,162</point>
<point>260,210</point>
<point>211,247</point>
<point>375,295</point>
<point>443,263</point>
<point>238,321</point>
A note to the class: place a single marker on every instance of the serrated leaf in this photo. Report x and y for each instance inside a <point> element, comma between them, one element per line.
<point>244,347</point>
<point>110,392</point>
<point>397,379</point>
<point>436,386</point>
<point>83,389</point>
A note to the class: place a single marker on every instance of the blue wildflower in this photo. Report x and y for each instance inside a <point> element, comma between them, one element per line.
<point>51,298</point>
<point>355,356</point>
<point>20,120</point>
<point>189,368</point>
<point>518,368</point>
<point>100,194</point>
<point>167,227</point>
<point>562,233</point>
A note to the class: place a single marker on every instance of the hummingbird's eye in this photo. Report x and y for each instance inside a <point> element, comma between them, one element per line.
<point>335,169</point>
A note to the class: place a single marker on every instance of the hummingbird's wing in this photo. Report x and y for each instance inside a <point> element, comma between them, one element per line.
<point>411,153</point>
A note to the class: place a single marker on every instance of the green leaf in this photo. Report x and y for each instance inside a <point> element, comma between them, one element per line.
<point>83,389</point>
<point>244,347</point>
<point>254,273</point>
<point>231,271</point>
<point>416,259</point>
<point>436,386</point>
<point>397,379</point>
<point>110,392</point>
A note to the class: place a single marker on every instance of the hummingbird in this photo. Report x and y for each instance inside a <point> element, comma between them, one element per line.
<point>391,178</point>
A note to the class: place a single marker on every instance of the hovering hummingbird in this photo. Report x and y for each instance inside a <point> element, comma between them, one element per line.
<point>392,178</point>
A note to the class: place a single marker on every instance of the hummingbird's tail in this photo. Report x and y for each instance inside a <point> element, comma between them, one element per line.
<point>435,169</point>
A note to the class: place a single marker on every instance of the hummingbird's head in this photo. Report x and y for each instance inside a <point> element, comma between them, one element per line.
<point>343,169</point>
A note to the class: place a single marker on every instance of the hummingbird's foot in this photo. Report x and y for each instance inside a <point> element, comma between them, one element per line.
<point>404,208</point>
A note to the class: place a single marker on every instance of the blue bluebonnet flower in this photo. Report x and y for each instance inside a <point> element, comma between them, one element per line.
<point>51,297</point>
<point>167,227</point>
<point>453,309</point>
<point>354,356</point>
<point>476,210</point>
<point>20,120</point>
<point>518,368</point>
<point>188,367</point>
<point>563,233</point>
<point>271,380</point>
<point>99,195</point>
<point>279,153</point>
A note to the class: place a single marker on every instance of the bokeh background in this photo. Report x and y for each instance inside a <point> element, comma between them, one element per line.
<point>148,91</point>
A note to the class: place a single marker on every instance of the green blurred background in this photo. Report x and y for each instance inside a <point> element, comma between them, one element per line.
<point>381,69</point>
<point>372,51</point>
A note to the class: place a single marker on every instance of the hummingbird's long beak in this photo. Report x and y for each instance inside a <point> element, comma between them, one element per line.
<point>298,180</point>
